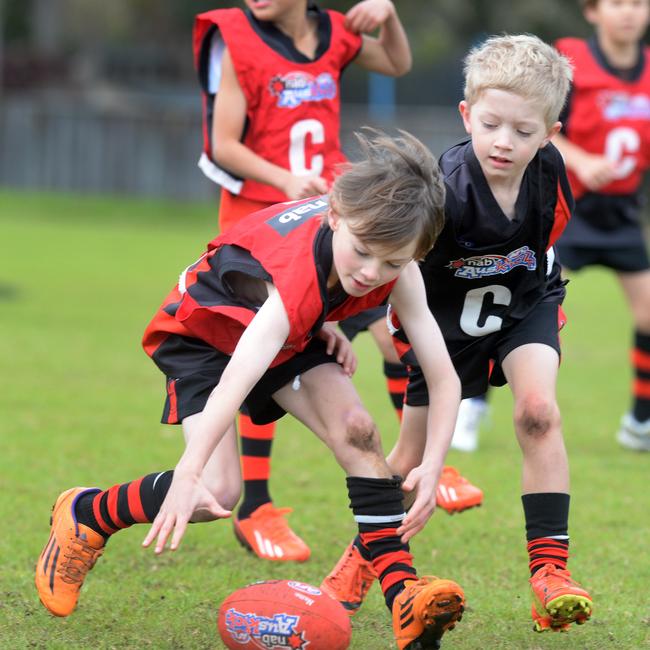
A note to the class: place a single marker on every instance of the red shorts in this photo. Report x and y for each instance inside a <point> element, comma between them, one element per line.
<point>233,208</point>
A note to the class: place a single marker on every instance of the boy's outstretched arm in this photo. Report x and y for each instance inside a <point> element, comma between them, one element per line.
<point>409,301</point>
<point>390,52</point>
<point>258,346</point>
<point>229,117</point>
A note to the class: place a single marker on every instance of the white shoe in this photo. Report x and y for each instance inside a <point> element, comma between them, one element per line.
<point>470,413</point>
<point>633,434</point>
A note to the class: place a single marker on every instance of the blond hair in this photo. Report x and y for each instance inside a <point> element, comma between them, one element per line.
<point>394,195</point>
<point>522,64</point>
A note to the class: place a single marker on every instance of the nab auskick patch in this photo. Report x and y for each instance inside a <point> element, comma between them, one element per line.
<point>277,632</point>
<point>480,266</point>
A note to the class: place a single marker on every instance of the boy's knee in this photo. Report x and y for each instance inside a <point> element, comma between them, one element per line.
<point>361,432</point>
<point>226,494</point>
<point>536,416</point>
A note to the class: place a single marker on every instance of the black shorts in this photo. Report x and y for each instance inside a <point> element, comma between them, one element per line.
<point>361,322</point>
<point>627,259</point>
<point>479,363</point>
<point>193,368</point>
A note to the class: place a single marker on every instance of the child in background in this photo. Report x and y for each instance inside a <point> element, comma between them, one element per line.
<point>606,146</point>
<point>270,77</point>
<point>248,321</point>
<point>496,292</point>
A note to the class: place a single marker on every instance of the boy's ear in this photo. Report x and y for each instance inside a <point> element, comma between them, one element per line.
<point>591,15</point>
<point>463,109</point>
<point>554,130</point>
<point>333,218</point>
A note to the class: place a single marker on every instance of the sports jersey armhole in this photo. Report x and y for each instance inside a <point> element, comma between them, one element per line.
<point>215,57</point>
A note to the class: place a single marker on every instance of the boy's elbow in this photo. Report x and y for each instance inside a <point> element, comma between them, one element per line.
<point>405,67</point>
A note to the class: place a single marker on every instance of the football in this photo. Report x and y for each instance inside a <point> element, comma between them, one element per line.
<point>283,615</point>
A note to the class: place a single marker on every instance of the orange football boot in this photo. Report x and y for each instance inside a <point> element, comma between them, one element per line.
<point>267,534</point>
<point>424,611</point>
<point>558,600</point>
<point>350,580</point>
<point>455,493</point>
<point>70,552</point>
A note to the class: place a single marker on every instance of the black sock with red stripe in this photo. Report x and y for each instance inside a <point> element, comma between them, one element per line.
<point>124,504</point>
<point>378,507</point>
<point>256,442</point>
<point>641,367</point>
<point>547,524</point>
<point>397,377</point>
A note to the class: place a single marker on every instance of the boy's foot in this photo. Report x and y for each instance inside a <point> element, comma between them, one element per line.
<point>558,600</point>
<point>349,581</point>
<point>424,611</point>
<point>267,534</point>
<point>70,552</point>
<point>470,413</point>
<point>455,493</point>
<point>633,434</point>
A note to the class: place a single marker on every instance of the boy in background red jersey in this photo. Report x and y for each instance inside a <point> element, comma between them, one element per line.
<point>606,145</point>
<point>270,78</point>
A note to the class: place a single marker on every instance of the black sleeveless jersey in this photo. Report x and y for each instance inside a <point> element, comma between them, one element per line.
<point>486,271</point>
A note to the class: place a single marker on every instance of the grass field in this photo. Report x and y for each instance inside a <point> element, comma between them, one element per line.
<point>79,279</point>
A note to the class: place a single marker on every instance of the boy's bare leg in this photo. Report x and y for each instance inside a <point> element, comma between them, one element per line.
<point>634,432</point>
<point>328,404</point>
<point>558,601</point>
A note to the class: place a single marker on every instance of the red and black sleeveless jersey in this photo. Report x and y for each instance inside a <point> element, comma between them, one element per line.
<point>293,103</point>
<point>287,245</point>
<point>608,114</point>
<point>486,271</point>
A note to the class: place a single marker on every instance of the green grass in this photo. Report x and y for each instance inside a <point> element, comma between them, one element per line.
<point>79,279</point>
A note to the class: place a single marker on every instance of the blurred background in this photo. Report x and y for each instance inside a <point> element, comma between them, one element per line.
<point>102,97</point>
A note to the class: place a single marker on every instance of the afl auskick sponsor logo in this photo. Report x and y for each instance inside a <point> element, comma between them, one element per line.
<point>482,265</point>
<point>286,221</point>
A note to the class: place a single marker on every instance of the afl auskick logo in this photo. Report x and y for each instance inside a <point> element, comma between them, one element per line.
<point>293,217</point>
<point>481,265</point>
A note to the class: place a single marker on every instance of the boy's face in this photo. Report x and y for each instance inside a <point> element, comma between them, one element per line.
<point>272,10</point>
<point>361,268</point>
<point>507,130</point>
<point>620,21</point>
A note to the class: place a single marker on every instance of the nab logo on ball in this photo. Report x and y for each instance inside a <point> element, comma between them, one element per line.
<point>274,633</point>
<point>283,615</point>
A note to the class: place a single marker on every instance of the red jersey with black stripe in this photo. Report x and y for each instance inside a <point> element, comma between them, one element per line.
<point>293,103</point>
<point>287,245</point>
<point>486,271</point>
<point>608,114</point>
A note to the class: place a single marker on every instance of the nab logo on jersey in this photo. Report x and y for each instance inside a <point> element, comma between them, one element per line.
<point>296,88</point>
<point>286,221</point>
<point>480,266</point>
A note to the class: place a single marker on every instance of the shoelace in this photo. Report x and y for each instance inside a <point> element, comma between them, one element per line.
<point>453,475</point>
<point>347,568</point>
<point>79,562</point>
<point>275,523</point>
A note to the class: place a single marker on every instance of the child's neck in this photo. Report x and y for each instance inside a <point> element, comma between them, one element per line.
<point>301,29</point>
<point>621,56</point>
<point>505,193</point>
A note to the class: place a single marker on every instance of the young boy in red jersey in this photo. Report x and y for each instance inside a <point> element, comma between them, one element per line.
<point>248,321</point>
<point>496,292</point>
<point>270,78</point>
<point>606,145</point>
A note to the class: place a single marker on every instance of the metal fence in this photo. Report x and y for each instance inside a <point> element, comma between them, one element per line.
<point>120,144</point>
